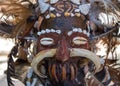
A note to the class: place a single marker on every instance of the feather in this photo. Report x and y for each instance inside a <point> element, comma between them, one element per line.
<point>115,74</point>
<point>14,13</point>
<point>107,7</point>
<point>43,6</point>
<point>11,68</point>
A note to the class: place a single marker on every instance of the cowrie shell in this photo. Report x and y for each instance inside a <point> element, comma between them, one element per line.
<point>46,41</point>
<point>79,40</point>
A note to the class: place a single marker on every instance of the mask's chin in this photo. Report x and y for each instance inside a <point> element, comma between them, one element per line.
<point>72,70</point>
<point>78,62</point>
<point>78,57</point>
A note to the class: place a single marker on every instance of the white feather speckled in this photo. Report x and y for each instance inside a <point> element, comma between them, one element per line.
<point>108,19</point>
<point>46,0</point>
<point>53,1</point>
<point>43,6</point>
<point>84,8</point>
<point>76,1</point>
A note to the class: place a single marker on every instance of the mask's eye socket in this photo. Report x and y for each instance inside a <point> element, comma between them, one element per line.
<point>79,40</point>
<point>46,41</point>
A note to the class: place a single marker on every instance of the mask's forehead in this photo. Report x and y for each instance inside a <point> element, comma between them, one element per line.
<point>64,23</point>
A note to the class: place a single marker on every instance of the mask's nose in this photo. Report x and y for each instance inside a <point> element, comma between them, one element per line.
<point>63,52</point>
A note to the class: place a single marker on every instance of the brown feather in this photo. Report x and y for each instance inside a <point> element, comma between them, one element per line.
<point>19,13</point>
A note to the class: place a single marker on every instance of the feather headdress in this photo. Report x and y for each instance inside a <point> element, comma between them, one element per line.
<point>105,14</point>
<point>104,17</point>
<point>14,14</point>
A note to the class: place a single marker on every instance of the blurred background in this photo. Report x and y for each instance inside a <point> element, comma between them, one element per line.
<point>5,47</point>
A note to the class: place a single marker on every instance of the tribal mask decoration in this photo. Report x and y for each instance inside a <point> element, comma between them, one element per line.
<point>64,32</point>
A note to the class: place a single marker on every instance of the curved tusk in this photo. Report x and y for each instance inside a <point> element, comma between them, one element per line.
<point>74,52</point>
<point>88,54</point>
<point>39,57</point>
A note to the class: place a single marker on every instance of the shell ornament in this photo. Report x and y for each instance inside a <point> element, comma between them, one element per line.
<point>56,41</point>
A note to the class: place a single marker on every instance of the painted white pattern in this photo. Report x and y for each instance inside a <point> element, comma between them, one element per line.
<point>78,30</point>
<point>75,30</point>
<point>43,31</point>
<point>69,33</point>
<point>48,31</point>
<point>52,30</point>
<point>58,31</point>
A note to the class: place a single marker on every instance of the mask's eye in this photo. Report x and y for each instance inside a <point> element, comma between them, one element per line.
<point>46,41</point>
<point>79,40</point>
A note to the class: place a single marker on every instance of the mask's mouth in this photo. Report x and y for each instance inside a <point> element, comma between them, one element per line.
<point>74,52</point>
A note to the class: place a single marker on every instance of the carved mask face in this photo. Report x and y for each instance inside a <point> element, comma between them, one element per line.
<point>63,41</point>
<point>63,51</point>
<point>63,44</point>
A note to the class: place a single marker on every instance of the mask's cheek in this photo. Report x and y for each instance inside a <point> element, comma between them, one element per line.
<point>79,40</point>
<point>47,41</point>
<point>83,46</point>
